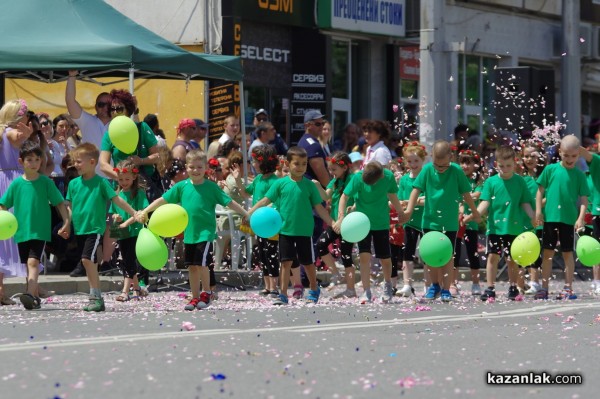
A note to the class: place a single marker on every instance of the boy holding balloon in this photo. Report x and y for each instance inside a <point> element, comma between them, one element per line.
<point>88,195</point>
<point>504,197</point>
<point>198,196</point>
<point>371,189</point>
<point>31,195</point>
<point>565,189</point>
<point>443,184</point>
<point>296,196</point>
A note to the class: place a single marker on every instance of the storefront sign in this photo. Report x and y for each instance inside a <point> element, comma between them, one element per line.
<point>409,63</point>
<point>282,12</point>
<point>223,100</point>
<point>379,17</point>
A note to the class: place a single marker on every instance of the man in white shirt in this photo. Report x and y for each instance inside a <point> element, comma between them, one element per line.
<point>232,128</point>
<point>92,127</point>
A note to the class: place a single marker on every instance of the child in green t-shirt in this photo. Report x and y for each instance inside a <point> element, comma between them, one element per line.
<point>127,229</point>
<point>593,161</point>
<point>31,196</point>
<point>296,196</point>
<point>198,196</point>
<point>89,195</point>
<point>443,183</point>
<point>372,188</point>
<point>504,197</point>
<point>414,155</point>
<point>565,190</point>
<point>265,162</point>
<point>339,166</point>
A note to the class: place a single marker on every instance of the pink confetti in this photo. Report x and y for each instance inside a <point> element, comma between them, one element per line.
<point>420,308</point>
<point>395,108</point>
<point>187,326</point>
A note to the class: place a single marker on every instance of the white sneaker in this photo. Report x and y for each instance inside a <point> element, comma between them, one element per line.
<point>533,288</point>
<point>475,289</point>
<point>388,292</point>
<point>345,294</point>
<point>365,298</point>
<point>407,291</point>
<point>597,290</point>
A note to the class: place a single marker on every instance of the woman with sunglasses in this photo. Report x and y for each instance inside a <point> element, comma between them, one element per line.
<point>44,134</point>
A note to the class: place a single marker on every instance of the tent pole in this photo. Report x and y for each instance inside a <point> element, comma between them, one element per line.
<point>131,77</point>
<point>245,166</point>
<point>207,113</point>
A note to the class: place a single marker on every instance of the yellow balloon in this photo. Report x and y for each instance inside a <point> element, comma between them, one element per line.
<point>525,249</point>
<point>168,220</point>
<point>151,251</point>
<point>8,225</point>
<point>123,133</point>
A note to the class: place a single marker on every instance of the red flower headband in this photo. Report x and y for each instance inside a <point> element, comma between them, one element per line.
<point>414,144</point>
<point>213,162</point>
<point>259,158</point>
<point>469,153</point>
<point>125,170</point>
<point>336,161</point>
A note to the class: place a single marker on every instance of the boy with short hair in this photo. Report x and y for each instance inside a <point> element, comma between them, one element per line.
<point>199,197</point>
<point>565,188</point>
<point>371,189</point>
<point>89,195</point>
<point>444,184</point>
<point>31,196</point>
<point>504,197</point>
<point>296,196</point>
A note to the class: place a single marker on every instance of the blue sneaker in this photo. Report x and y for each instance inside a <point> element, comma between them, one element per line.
<point>313,295</point>
<point>281,300</point>
<point>433,292</point>
<point>566,293</point>
<point>446,296</point>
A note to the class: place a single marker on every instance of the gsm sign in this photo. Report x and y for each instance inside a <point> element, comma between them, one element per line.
<point>277,5</point>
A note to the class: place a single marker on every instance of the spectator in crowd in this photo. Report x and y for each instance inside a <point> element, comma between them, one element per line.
<point>350,135</point>
<point>232,128</point>
<point>186,131</point>
<point>325,138</point>
<point>200,134</point>
<point>377,133</point>
<point>278,142</point>
<point>313,125</point>
<point>152,121</point>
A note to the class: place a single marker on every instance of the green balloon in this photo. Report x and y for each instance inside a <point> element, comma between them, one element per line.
<point>435,249</point>
<point>123,133</point>
<point>8,225</point>
<point>355,227</point>
<point>151,251</point>
<point>588,251</point>
<point>525,249</point>
<point>168,220</point>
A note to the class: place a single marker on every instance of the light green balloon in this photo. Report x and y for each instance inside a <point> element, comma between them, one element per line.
<point>123,133</point>
<point>151,251</point>
<point>168,220</point>
<point>588,251</point>
<point>435,249</point>
<point>525,249</point>
<point>355,227</point>
<point>8,225</point>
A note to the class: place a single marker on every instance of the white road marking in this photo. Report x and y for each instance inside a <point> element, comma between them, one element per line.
<point>130,338</point>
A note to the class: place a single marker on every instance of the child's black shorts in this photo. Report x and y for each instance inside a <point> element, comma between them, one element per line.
<point>31,249</point>
<point>199,254</point>
<point>88,245</point>
<point>296,247</point>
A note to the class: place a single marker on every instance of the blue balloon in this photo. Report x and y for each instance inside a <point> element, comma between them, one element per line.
<point>266,222</point>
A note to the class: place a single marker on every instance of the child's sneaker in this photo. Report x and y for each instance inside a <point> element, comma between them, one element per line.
<point>345,294</point>
<point>274,294</point>
<point>388,292</point>
<point>281,300</point>
<point>533,288</point>
<point>566,293</point>
<point>597,290</point>
<point>406,291</point>
<point>433,292</point>
<point>513,292</point>
<point>30,302</point>
<point>454,290</point>
<point>446,296</point>
<point>192,304</point>
<point>298,291</point>
<point>489,292</point>
<point>204,300</point>
<point>313,295</point>
<point>475,289</point>
<point>541,294</point>
<point>95,305</point>
<point>365,297</point>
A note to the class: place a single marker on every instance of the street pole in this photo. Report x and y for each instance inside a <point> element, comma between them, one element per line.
<point>570,80</point>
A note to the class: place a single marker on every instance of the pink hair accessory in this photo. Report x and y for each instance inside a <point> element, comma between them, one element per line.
<point>23,109</point>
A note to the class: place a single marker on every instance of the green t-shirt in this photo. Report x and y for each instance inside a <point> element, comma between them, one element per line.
<point>505,197</point>
<point>199,200</point>
<point>259,186</point>
<point>475,188</point>
<point>89,200</point>
<point>595,191</point>
<point>138,203</point>
<point>336,194</point>
<point>405,187</point>
<point>295,200</point>
<point>148,140</point>
<point>31,202</point>
<point>563,187</point>
<point>372,200</point>
<point>532,187</point>
<point>443,193</point>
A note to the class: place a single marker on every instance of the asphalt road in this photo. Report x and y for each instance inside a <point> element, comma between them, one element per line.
<point>243,347</point>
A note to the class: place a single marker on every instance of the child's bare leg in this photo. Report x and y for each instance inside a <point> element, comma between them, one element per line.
<point>33,273</point>
<point>569,268</point>
<point>194,277</point>
<point>491,269</point>
<point>547,256</point>
<point>386,266</point>
<point>350,277</point>
<point>284,274</point>
<point>365,269</point>
<point>205,278</point>
<point>91,270</point>
<point>311,274</point>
